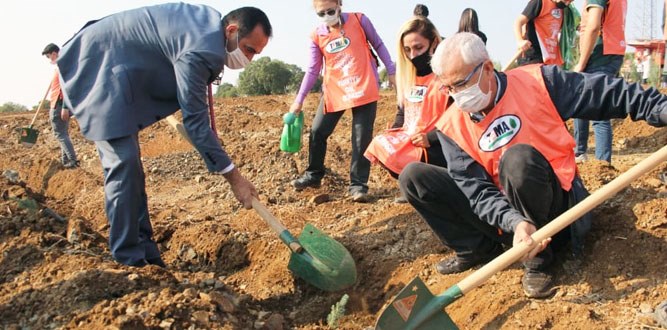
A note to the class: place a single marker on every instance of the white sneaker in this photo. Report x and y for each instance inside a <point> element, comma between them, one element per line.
<point>581,158</point>
<point>360,197</point>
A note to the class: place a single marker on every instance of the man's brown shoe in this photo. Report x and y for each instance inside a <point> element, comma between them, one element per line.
<point>537,284</point>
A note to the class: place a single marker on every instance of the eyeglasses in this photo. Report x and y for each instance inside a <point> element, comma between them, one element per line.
<point>329,12</point>
<point>458,86</point>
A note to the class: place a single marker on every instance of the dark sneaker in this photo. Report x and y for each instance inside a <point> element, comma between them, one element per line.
<point>661,314</point>
<point>456,264</point>
<point>537,284</point>
<point>305,182</point>
<point>360,197</point>
<point>157,262</point>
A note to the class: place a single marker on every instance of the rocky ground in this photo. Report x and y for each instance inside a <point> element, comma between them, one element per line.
<point>227,270</point>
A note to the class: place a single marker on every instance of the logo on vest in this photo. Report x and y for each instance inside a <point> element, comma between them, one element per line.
<point>417,94</point>
<point>500,133</point>
<point>557,13</point>
<point>337,45</point>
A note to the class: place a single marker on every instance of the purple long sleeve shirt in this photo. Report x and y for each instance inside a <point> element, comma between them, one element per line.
<point>316,56</point>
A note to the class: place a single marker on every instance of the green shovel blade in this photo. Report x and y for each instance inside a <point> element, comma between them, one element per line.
<point>415,307</point>
<point>324,262</point>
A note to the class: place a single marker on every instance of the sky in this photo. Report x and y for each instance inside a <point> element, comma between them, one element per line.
<point>27,26</point>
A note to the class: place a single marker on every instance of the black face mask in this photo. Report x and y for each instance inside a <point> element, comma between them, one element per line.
<point>561,5</point>
<point>423,64</point>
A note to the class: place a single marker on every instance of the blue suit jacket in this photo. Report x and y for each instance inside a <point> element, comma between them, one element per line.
<point>128,70</point>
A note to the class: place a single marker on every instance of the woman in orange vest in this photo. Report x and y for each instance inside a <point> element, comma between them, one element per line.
<point>420,103</point>
<point>341,44</point>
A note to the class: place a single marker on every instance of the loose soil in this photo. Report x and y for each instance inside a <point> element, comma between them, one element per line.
<point>227,270</point>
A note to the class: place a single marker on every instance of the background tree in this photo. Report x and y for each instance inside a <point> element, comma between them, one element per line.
<point>265,76</point>
<point>226,90</point>
<point>277,77</point>
<point>268,77</point>
<point>384,80</point>
<point>12,107</point>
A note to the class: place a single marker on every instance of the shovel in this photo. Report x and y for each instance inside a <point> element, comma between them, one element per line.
<point>178,126</point>
<point>511,62</point>
<point>415,307</point>
<point>316,258</point>
<point>171,119</point>
<point>28,135</point>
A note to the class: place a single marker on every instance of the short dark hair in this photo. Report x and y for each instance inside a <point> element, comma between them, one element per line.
<point>420,10</point>
<point>248,18</point>
<point>50,48</point>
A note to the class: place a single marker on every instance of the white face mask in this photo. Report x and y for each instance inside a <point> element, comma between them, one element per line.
<point>330,20</point>
<point>472,99</point>
<point>236,59</point>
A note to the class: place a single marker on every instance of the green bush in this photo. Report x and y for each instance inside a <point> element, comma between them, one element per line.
<point>226,90</point>
<point>12,107</point>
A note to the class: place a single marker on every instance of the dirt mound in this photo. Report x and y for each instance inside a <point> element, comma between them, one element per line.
<point>227,270</point>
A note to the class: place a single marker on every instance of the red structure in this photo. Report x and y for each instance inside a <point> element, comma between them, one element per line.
<point>655,47</point>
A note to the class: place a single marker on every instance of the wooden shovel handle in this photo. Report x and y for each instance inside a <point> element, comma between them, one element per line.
<point>516,56</point>
<point>39,107</point>
<point>178,126</point>
<point>275,225</point>
<point>518,251</point>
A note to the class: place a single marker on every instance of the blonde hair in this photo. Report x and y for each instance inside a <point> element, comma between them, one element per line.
<point>405,70</point>
<point>337,2</point>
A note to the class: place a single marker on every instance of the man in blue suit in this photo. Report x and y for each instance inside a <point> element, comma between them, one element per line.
<point>128,70</point>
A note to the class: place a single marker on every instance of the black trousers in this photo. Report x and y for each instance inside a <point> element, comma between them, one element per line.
<point>529,182</point>
<point>363,118</point>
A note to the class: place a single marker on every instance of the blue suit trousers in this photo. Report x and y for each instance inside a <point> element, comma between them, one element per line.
<point>130,233</point>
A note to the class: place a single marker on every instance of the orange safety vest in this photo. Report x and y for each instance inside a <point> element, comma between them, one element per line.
<point>423,106</point>
<point>349,80</point>
<point>55,94</point>
<point>524,115</point>
<point>547,27</point>
<point>613,26</point>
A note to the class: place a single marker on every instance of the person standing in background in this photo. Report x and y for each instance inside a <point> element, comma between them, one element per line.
<point>350,81</point>
<point>537,30</point>
<point>59,116</point>
<point>646,66</point>
<point>602,47</point>
<point>470,23</point>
